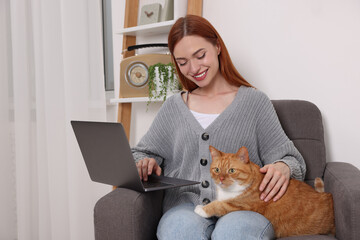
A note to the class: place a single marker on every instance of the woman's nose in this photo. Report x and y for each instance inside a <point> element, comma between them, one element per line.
<point>194,67</point>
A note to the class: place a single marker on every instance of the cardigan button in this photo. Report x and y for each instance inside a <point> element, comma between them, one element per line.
<point>203,162</point>
<point>205,184</point>
<point>206,201</point>
<point>205,136</point>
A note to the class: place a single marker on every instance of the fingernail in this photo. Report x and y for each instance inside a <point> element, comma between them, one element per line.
<point>262,197</point>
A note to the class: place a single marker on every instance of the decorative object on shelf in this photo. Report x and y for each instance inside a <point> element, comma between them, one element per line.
<point>160,28</point>
<point>134,71</point>
<point>137,74</point>
<point>167,12</point>
<point>134,74</point>
<point>162,80</point>
<point>150,13</point>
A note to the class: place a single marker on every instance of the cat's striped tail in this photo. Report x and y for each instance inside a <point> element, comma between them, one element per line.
<point>319,185</point>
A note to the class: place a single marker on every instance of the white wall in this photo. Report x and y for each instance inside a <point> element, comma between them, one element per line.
<point>292,49</point>
<point>300,50</point>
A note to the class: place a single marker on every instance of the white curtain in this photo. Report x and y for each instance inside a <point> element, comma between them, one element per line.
<point>51,71</point>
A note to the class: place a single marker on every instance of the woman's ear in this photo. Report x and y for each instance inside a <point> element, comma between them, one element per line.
<point>218,47</point>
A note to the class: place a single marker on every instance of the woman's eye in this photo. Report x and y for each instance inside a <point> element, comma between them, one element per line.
<point>231,170</point>
<point>202,56</point>
<point>182,63</point>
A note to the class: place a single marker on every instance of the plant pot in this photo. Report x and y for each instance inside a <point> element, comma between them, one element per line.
<point>162,81</point>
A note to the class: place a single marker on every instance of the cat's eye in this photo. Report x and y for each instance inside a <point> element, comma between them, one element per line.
<point>216,170</point>
<point>231,170</point>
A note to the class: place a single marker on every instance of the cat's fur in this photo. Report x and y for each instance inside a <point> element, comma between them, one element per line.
<point>302,210</point>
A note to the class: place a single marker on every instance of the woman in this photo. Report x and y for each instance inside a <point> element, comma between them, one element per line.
<point>219,108</point>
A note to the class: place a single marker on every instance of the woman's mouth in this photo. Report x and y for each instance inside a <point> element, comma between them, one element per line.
<point>201,76</point>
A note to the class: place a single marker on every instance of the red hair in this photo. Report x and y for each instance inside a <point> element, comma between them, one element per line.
<point>195,25</point>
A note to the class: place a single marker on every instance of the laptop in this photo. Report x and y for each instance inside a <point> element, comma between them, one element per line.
<point>109,160</point>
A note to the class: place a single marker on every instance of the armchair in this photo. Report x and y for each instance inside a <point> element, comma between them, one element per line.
<point>126,214</point>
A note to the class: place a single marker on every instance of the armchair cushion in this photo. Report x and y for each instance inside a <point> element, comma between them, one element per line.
<point>302,122</point>
<point>126,214</point>
<point>342,180</point>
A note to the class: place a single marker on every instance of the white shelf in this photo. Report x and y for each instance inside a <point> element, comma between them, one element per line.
<point>133,100</point>
<point>148,29</point>
<point>139,99</point>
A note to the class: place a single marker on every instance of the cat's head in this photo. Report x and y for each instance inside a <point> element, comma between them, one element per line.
<point>229,168</point>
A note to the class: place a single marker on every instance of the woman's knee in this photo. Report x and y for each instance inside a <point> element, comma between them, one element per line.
<point>181,222</point>
<point>243,225</point>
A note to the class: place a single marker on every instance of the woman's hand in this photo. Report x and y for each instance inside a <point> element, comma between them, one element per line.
<point>146,167</point>
<point>275,182</point>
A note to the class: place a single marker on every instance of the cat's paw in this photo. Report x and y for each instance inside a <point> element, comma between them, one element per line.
<point>199,209</point>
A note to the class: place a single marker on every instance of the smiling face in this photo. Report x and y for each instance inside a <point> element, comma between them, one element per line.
<point>197,59</point>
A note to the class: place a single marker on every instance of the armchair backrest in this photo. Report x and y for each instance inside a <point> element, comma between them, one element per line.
<point>302,122</point>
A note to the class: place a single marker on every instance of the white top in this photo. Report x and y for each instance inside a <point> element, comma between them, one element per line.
<point>205,119</point>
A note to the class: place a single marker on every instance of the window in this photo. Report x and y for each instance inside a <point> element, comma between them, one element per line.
<point>108,45</point>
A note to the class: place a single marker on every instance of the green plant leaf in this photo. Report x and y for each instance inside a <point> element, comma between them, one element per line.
<point>167,81</point>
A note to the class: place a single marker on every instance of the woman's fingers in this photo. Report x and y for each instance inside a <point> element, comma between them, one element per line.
<point>275,181</point>
<point>270,181</point>
<point>146,167</point>
<point>138,164</point>
<point>282,191</point>
<point>154,167</point>
<point>276,188</point>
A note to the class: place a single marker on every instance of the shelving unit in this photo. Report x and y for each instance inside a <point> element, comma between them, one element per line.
<point>130,32</point>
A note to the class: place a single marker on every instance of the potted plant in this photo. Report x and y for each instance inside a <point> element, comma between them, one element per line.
<point>162,81</point>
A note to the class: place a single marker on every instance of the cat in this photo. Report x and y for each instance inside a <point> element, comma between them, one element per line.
<point>302,210</point>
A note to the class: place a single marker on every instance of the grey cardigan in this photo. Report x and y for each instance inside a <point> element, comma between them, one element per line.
<point>181,146</point>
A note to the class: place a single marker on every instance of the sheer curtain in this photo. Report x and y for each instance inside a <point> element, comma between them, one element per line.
<point>51,72</point>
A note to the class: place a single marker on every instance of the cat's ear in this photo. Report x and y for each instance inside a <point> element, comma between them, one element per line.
<point>214,152</point>
<point>243,154</point>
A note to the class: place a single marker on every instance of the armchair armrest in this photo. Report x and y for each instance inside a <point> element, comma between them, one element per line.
<point>342,181</point>
<point>127,214</point>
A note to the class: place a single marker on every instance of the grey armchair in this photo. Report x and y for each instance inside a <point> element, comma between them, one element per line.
<point>129,215</point>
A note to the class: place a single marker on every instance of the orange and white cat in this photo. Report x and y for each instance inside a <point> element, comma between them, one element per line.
<point>302,210</point>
